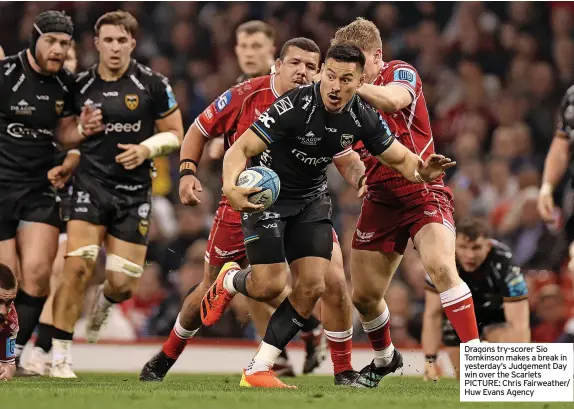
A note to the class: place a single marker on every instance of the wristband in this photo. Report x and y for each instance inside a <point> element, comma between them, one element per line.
<point>546,189</point>
<point>360,184</point>
<point>185,167</point>
<point>74,152</point>
<point>430,358</point>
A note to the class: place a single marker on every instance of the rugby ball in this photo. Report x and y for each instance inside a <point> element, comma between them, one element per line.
<point>266,179</point>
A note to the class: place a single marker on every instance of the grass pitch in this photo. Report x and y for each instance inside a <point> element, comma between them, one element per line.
<point>122,391</point>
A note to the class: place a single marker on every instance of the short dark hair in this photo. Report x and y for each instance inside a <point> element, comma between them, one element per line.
<point>346,53</point>
<point>7,278</point>
<point>303,43</point>
<point>256,26</point>
<point>118,18</point>
<point>473,228</point>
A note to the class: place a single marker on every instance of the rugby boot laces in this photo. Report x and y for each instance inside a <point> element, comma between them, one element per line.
<point>371,375</point>
<point>263,379</point>
<point>156,368</point>
<point>216,300</point>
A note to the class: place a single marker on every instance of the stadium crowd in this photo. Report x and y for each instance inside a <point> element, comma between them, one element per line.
<point>493,75</point>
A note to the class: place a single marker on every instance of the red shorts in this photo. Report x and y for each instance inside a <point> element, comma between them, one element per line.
<point>387,227</point>
<point>225,241</point>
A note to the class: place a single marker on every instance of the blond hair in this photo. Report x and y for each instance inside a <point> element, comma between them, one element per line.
<point>361,33</point>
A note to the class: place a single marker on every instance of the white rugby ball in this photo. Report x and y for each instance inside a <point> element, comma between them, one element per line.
<point>266,179</point>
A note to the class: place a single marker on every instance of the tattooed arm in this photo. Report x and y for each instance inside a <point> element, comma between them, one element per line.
<point>351,168</point>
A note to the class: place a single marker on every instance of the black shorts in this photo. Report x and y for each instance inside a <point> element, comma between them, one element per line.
<point>19,202</point>
<point>290,229</point>
<point>451,339</point>
<point>125,214</point>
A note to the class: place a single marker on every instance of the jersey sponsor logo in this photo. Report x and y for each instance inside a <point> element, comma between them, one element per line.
<point>59,107</point>
<point>270,226</point>
<point>308,160</point>
<point>307,100</point>
<point>9,68</point>
<point>81,209</point>
<point>43,97</point>
<point>430,213</point>
<point>11,347</point>
<point>88,84</point>
<point>266,119</point>
<point>82,197</point>
<point>20,81</point>
<point>309,139</point>
<point>406,75</point>
<point>268,215</point>
<point>266,159</point>
<point>283,105</point>
<point>354,116</point>
<point>17,130</point>
<point>138,84</point>
<point>222,101</point>
<point>330,129</point>
<point>129,188</point>
<point>171,102</point>
<point>132,101</point>
<point>208,115</point>
<point>119,127</point>
<point>346,140</point>
<point>23,108</point>
<point>143,210</point>
<point>111,94</point>
<point>143,227</point>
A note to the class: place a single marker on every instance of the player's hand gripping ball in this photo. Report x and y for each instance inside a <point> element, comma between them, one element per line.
<point>264,178</point>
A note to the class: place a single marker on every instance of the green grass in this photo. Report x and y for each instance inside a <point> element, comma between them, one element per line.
<point>118,391</point>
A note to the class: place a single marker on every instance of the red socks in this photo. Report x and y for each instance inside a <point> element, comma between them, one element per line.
<point>459,308</point>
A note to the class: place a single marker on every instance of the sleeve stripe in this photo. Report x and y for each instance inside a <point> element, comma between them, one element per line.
<point>262,134</point>
<point>343,152</point>
<point>201,128</point>
<point>401,84</point>
<point>515,299</point>
<point>169,111</point>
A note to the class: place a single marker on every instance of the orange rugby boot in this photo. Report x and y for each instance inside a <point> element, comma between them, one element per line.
<point>263,379</point>
<point>216,300</point>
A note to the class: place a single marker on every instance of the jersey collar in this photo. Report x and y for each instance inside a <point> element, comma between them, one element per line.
<point>273,89</point>
<point>319,101</point>
<point>129,71</point>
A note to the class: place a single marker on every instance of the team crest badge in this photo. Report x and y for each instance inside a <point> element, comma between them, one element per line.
<point>143,227</point>
<point>346,140</point>
<point>132,101</point>
<point>59,107</point>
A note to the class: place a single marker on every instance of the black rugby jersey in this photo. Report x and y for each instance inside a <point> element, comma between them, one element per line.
<point>303,138</point>
<point>31,105</point>
<point>496,281</point>
<point>130,107</point>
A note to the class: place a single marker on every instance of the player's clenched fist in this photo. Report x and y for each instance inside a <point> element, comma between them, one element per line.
<point>187,186</point>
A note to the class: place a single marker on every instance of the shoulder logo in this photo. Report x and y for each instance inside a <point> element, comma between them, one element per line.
<point>132,101</point>
<point>283,105</point>
<point>307,100</point>
<point>346,140</point>
<point>59,107</point>
<point>222,101</point>
<point>266,119</point>
<point>406,75</point>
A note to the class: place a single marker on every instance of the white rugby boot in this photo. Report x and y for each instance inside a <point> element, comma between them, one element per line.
<point>62,360</point>
<point>37,364</point>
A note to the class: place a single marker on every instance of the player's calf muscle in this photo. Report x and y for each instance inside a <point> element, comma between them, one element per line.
<point>266,281</point>
<point>119,286</point>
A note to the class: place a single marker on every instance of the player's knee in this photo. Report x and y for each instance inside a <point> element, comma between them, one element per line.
<point>38,276</point>
<point>267,282</point>
<point>310,288</point>
<point>78,265</point>
<point>123,288</point>
<point>125,276</point>
<point>442,274</point>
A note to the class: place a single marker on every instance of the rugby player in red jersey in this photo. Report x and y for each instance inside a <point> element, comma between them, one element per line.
<point>231,114</point>
<point>8,323</point>
<point>396,209</point>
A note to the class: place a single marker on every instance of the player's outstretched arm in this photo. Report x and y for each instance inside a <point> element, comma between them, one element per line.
<point>189,156</point>
<point>386,98</point>
<point>431,332</point>
<point>554,169</point>
<point>247,146</point>
<point>411,166</point>
<point>351,167</point>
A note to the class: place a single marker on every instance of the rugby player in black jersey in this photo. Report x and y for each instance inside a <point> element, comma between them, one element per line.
<point>111,202</point>
<point>36,109</point>
<point>298,137</point>
<point>66,161</point>
<point>499,290</point>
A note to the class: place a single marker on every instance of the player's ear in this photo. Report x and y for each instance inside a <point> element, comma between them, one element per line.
<point>133,43</point>
<point>378,55</point>
<point>361,80</point>
<point>278,64</point>
<point>97,42</point>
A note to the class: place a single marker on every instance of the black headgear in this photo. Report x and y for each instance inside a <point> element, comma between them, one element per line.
<point>50,22</point>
